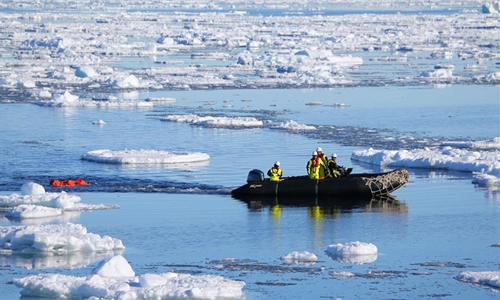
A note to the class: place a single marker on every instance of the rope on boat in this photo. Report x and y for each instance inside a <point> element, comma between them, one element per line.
<point>387,182</point>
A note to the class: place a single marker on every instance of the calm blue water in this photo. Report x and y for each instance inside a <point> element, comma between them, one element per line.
<point>184,219</point>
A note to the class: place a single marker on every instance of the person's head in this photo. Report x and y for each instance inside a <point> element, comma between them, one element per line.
<point>334,155</point>
<point>319,150</point>
<point>277,163</point>
<point>314,153</point>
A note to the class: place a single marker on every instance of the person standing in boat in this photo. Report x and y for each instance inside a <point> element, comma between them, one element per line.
<point>314,165</point>
<point>275,172</point>
<point>323,170</point>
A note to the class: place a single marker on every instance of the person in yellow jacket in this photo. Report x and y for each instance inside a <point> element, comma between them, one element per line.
<point>323,170</point>
<point>314,166</point>
<point>275,172</point>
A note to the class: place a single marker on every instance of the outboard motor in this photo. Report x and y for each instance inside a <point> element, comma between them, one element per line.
<point>255,176</point>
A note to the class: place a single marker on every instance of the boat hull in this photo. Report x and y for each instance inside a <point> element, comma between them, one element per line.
<point>351,185</point>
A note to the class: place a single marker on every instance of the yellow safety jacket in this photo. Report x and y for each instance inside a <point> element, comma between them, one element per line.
<point>274,174</point>
<point>314,166</point>
<point>323,169</point>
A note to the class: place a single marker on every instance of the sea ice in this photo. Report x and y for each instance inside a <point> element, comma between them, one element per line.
<point>32,188</point>
<point>114,278</point>
<point>353,252</point>
<point>300,257</point>
<point>144,156</point>
<point>481,158</point>
<point>35,203</point>
<point>219,122</point>
<point>61,238</point>
<point>490,278</point>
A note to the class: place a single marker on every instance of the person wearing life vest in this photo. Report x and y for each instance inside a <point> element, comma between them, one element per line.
<point>334,168</point>
<point>314,165</point>
<point>275,172</point>
<point>323,171</point>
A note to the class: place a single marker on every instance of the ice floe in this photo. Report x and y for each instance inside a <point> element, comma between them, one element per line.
<point>218,122</point>
<point>66,99</point>
<point>60,238</point>
<point>489,278</point>
<point>299,257</point>
<point>144,156</point>
<point>292,125</point>
<point>114,278</point>
<point>26,205</point>
<point>353,252</point>
<point>482,158</point>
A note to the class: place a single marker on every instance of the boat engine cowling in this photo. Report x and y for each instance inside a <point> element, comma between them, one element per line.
<point>255,175</point>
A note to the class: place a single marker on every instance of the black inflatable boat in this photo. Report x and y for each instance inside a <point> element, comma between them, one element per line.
<point>363,184</point>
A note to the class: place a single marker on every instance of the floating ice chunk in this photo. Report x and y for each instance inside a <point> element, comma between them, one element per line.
<point>85,71</point>
<point>116,266</point>
<point>353,252</point>
<point>118,282</point>
<point>296,256</point>
<point>315,103</point>
<point>294,126</point>
<point>31,188</point>
<point>490,78</point>
<point>27,84</point>
<point>491,7</point>
<point>352,248</point>
<point>59,200</point>
<point>485,179</point>
<point>161,99</point>
<point>489,278</point>
<point>65,97</point>
<point>45,94</point>
<point>467,160</point>
<point>9,80</point>
<point>488,144</point>
<point>144,156</point>
<point>439,73</point>
<point>55,238</point>
<point>30,211</point>
<point>219,122</point>
<point>125,82</point>
<point>100,122</point>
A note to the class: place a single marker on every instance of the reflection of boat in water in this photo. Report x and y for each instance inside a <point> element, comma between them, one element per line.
<point>319,207</point>
<point>362,184</point>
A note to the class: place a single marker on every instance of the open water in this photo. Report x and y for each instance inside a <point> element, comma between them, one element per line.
<point>183,218</point>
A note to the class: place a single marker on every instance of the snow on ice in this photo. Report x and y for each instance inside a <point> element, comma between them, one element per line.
<point>114,278</point>
<point>353,252</point>
<point>60,238</point>
<point>209,121</point>
<point>299,257</point>
<point>50,56</point>
<point>292,125</point>
<point>144,157</point>
<point>490,278</point>
<point>34,202</point>
<point>67,99</point>
<point>482,158</point>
